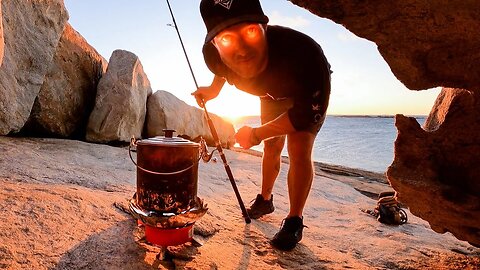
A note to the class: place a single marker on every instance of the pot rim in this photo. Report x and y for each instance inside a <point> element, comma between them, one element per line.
<point>168,142</point>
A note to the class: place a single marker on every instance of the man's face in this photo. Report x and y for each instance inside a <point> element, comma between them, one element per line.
<point>243,48</point>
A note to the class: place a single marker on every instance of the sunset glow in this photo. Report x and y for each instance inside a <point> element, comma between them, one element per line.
<point>232,103</point>
<point>362,82</point>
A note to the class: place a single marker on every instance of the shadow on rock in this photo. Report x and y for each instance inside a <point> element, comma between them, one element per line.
<point>301,257</point>
<point>113,248</point>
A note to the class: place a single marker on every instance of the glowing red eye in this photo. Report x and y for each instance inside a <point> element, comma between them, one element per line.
<point>252,32</point>
<point>225,40</point>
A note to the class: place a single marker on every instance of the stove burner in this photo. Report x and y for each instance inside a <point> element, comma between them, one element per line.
<point>168,220</point>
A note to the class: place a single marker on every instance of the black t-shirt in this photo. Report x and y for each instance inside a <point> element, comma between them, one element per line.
<point>297,69</point>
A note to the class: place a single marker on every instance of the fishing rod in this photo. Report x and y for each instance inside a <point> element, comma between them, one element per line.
<point>218,145</point>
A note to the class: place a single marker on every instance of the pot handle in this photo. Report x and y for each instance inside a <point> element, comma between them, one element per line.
<point>133,142</point>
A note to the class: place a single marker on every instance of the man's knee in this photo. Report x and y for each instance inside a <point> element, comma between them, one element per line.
<point>273,146</point>
<point>300,146</point>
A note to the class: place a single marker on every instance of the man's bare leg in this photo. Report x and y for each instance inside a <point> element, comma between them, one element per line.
<point>300,173</point>
<point>271,164</point>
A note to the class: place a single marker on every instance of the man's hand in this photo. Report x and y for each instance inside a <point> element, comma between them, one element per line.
<point>205,93</point>
<point>246,137</point>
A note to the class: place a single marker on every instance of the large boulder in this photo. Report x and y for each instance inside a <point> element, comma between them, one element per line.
<point>166,111</point>
<point>425,43</point>
<point>67,96</point>
<point>120,105</point>
<point>436,170</point>
<point>429,44</point>
<point>31,30</point>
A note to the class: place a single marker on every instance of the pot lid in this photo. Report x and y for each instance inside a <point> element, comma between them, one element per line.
<point>168,140</point>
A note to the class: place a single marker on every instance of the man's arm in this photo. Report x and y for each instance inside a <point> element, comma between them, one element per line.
<point>280,126</point>
<point>248,137</point>
<point>207,93</point>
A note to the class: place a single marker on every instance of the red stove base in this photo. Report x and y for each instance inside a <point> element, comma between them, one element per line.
<point>168,237</point>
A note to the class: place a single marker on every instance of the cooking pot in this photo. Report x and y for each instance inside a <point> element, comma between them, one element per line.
<point>167,174</point>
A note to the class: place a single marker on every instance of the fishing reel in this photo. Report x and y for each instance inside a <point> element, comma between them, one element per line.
<point>204,154</point>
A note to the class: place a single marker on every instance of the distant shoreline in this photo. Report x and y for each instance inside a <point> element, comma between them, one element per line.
<point>329,168</point>
<point>370,137</point>
<point>354,115</point>
<point>368,183</point>
<point>240,119</point>
<point>371,116</point>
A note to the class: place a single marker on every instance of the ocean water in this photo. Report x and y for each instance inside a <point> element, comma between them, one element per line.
<point>361,142</point>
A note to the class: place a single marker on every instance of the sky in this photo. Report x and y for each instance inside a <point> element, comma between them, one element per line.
<point>362,82</point>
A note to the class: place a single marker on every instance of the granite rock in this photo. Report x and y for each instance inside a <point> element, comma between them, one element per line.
<point>31,32</point>
<point>165,111</point>
<point>120,104</point>
<point>67,96</point>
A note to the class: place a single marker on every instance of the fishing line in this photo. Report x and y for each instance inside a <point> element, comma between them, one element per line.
<point>212,127</point>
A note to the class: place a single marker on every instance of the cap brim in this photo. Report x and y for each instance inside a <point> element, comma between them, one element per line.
<point>227,23</point>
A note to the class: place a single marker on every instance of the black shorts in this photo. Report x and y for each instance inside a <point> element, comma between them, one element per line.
<point>270,109</point>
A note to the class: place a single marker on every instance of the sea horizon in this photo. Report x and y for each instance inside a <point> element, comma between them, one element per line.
<point>344,115</point>
<point>364,142</point>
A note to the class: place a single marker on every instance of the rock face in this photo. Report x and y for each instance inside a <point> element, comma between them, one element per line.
<point>165,111</point>
<point>425,43</point>
<point>31,30</point>
<point>436,170</point>
<point>120,105</point>
<point>67,96</point>
<point>429,44</point>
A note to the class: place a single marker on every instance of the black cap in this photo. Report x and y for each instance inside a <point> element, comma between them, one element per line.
<point>220,14</point>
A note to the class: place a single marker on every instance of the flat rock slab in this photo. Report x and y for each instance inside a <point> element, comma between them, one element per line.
<point>59,210</point>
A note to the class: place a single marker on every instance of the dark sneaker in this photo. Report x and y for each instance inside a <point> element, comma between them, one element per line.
<point>289,235</point>
<point>260,207</point>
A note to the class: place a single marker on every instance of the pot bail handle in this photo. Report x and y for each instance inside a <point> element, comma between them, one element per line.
<point>133,142</point>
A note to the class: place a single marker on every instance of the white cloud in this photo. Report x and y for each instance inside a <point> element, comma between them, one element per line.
<point>292,22</point>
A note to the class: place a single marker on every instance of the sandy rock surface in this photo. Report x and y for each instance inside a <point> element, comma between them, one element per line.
<point>61,208</point>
